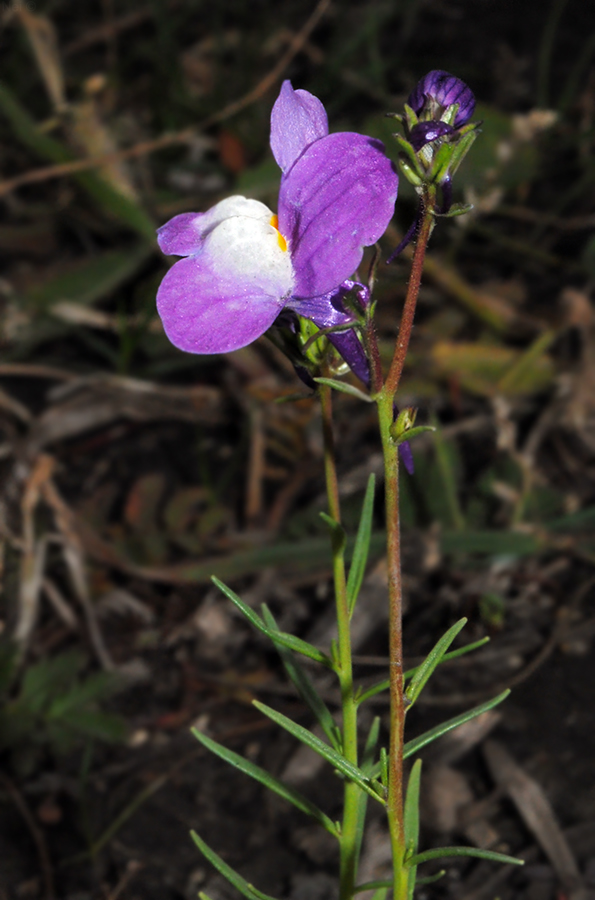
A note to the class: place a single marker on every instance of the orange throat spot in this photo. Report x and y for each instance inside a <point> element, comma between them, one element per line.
<point>280,239</point>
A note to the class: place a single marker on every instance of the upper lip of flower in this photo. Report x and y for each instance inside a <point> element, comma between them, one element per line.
<point>337,196</point>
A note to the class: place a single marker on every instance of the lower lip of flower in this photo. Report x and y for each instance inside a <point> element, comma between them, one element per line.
<point>280,239</point>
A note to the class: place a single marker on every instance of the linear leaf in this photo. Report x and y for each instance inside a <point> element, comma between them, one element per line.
<point>452,654</point>
<point>279,637</point>
<point>411,811</point>
<point>243,886</point>
<point>433,659</point>
<point>430,879</point>
<point>362,546</point>
<point>351,772</point>
<point>269,781</point>
<point>372,885</point>
<point>444,852</point>
<point>411,823</point>
<point>411,747</point>
<point>305,686</point>
<point>345,388</point>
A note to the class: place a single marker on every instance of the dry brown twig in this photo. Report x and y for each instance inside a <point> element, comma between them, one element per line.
<point>143,148</point>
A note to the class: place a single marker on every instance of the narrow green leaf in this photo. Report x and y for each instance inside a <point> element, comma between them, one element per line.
<point>243,886</point>
<point>372,885</point>
<point>362,546</point>
<point>411,811</point>
<point>279,637</point>
<point>345,388</point>
<point>305,686</point>
<point>411,824</point>
<point>269,781</point>
<point>413,433</point>
<point>434,657</point>
<point>452,654</point>
<point>343,766</point>
<point>430,879</point>
<point>444,852</point>
<point>412,747</point>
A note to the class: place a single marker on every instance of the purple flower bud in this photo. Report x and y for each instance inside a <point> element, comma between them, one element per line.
<point>425,132</point>
<point>438,90</point>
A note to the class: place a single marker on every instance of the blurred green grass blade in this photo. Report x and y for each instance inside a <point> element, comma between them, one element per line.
<point>278,637</point>
<point>362,546</point>
<point>412,747</point>
<point>347,769</point>
<point>244,887</point>
<point>90,279</point>
<point>111,201</point>
<point>583,518</point>
<point>265,778</point>
<point>494,543</point>
<point>304,685</point>
<point>446,460</point>
<point>444,852</point>
<point>411,824</point>
<point>519,378</point>
<point>433,659</point>
<point>303,555</point>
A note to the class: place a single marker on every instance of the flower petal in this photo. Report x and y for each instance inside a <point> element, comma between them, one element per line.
<point>337,199</point>
<point>298,119</point>
<point>328,310</point>
<point>230,292</point>
<point>350,347</point>
<point>183,235</point>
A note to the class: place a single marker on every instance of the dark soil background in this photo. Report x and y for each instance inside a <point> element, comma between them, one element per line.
<point>130,472</point>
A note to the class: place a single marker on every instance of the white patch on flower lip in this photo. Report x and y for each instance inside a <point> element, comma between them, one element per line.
<point>232,206</point>
<point>247,250</point>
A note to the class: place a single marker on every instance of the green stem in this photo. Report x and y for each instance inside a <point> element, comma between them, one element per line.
<point>348,842</point>
<point>385,400</point>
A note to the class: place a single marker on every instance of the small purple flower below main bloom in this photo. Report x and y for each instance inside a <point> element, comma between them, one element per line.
<point>436,91</point>
<point>243,264</point>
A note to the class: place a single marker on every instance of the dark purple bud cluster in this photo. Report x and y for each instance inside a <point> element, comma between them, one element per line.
<point>436,92</point>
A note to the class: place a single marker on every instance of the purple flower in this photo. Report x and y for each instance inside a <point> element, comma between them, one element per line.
<point>243,264</point>
<point>438,90</point>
